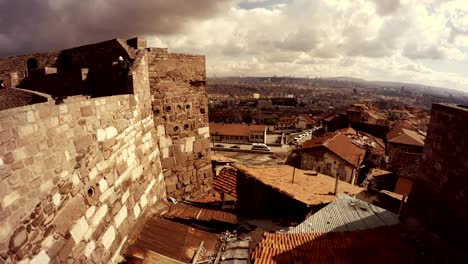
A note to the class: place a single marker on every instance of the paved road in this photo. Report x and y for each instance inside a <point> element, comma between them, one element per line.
<point>274,149</point>
<point>252,158</point>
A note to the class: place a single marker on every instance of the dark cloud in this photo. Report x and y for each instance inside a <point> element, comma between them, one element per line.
<point>304,39</point>
<point>414,51</point>
<point>261,4</point>
<point>385,7</point>
<point>34,25</point>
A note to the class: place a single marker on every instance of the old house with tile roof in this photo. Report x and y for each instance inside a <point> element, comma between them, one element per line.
<point>403,140</point>
<point>237,133</point>
<point>285,122</point>
<point>271,190</point>
<point>305,121</point>
<point>333,155</point>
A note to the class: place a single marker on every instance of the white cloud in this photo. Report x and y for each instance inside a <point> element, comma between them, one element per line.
<point>390,40</point>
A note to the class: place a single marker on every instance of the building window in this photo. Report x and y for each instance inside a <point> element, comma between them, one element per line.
<point>32,64</point>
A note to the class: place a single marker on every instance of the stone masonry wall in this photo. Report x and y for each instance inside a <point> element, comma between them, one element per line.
<point>13,69</point>
<point>93,55</point>
<point>180,109</point>
<point>439,197</point>
<point>75,177</point>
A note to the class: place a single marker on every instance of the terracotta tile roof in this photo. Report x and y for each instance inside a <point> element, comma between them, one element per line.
<point>404,124</point>
<point>309,120</point>
<point>378,245</point>
<point>379,147</point>
<point>191,212</point>
<point>207,198</point>
<point>405,136</point>
<point>308,189</point>
<point>235,129</point>
<point>341,145</point>
<point>319,141</point>
<point>346,213</point>
<point>378,172</point>
<point>221,158</point>
<point>329,118</point>
<point>348,130</point>
<point>226,181</point>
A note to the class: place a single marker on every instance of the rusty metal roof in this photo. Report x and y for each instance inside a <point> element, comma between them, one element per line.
<point>226,181</point>
<point>346,213</point>
<point>191,212</point>
<point>174,240</point>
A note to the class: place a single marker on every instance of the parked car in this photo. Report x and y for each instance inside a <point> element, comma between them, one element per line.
<point>235,147</point>
<point>260,146</point>
<point>219,146</point>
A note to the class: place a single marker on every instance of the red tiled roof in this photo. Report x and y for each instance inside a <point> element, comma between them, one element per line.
<point>348,130</point>
<point>319,141</point>
<point>404,124</point>
<point>235,129</point>
<point>330,118</point>
<point>405,136</point>
<point>378,245</point>
<point>342,146</point>
<point>222,159</point>
<point>308,119</point>
<point>378,172</point>
<point>226,181</point>
<point>307,188</point>
<point>339,144</point>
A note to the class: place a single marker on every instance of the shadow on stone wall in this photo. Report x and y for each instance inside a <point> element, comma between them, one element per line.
<point>11,97</point>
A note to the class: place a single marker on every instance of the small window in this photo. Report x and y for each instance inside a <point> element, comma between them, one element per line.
<point>32,64</point>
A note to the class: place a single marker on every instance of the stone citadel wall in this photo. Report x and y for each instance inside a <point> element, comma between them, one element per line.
<point>439,197</point>
<point>76,177</point>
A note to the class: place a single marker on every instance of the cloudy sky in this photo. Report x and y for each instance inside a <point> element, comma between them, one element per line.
<point>418,41</point>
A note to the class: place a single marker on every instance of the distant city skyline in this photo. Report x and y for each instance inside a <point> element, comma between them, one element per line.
<point>414,41</point>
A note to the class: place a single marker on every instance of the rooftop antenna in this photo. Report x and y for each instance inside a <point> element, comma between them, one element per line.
<point>336,184</point>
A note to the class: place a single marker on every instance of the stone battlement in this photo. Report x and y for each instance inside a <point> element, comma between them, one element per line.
<point>78,173</point>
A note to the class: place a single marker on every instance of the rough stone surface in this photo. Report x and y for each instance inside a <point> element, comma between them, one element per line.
<point>81,173</point>
<point>19,238</point>
<point>439,197</point>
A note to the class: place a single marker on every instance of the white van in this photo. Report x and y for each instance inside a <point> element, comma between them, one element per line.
<point>260,146</point>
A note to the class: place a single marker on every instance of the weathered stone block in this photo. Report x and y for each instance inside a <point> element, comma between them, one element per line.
<point>18,239</point>
<point>75,208</point>
<point>87,111</point>
<point>101,212</point>
<point>83,143</point>
<point>168,163</point>
<point>120,216</point>
<point>108,237</point>
<point>79,230</point>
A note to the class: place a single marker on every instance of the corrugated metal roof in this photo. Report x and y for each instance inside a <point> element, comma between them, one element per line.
<point>174,240</point>
<point>190,212</point>
<point>346,213</point>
